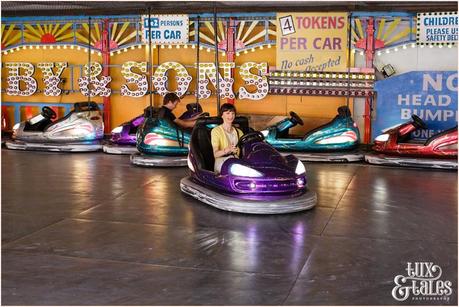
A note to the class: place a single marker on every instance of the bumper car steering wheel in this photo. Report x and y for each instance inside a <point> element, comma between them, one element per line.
<point>255,136</point>
<point>418,122</point>
<point>296,119</point>
<point>48,113</point>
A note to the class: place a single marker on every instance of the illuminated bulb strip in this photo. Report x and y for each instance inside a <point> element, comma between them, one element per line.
<point>324,92</point>
<point>413,45</point>
<point>60,46</point>
<point>321,76</point>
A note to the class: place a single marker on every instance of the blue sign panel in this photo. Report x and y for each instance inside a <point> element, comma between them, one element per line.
<point>431,95</point>
<point>165,29</point>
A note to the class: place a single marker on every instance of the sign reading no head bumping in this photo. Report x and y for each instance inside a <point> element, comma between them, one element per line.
<point>431,95</point>
<point>165,29</point>
<point>440,28</point>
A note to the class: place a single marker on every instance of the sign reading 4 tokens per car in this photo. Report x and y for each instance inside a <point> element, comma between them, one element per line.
<point>287,25</point>
<point>165,29</point>
<point>311,41</point>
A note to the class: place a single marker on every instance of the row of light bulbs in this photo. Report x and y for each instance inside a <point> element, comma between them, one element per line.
<point>320,84</point>
<point>289,74</point>
<point>122,50</point>
<point>404,47</point>
<point>161,47</point>
<point>254,49</point>
<point>51,47</point>
<point>329,92</point>
<point>387,50</point>
<point>186,47</point>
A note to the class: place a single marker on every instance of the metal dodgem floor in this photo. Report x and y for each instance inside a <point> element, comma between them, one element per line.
<point>92,229</point>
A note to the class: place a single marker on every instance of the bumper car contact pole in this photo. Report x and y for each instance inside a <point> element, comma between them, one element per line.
<point>150,62</point>
<point>89,61</point>
<point>349,63</point>
<point>216,58</point>
<point>197,64</point>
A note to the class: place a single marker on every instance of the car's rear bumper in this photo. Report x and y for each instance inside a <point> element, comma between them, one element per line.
<point>146,160</point>
<point>439,163</point>
<point>58,147</point>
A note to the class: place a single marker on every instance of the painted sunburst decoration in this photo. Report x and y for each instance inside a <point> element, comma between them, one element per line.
<point>120,34</point>
<point>47,33</point>
<point>385,35</point>
<point>247,33</point>
<point>9,36</point>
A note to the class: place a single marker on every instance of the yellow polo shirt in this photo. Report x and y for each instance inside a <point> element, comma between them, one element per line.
<point>220,140</point>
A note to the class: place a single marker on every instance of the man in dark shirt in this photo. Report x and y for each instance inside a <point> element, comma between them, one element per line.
<point>170,102</point>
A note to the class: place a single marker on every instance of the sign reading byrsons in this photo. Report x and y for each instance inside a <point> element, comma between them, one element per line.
<point>165,29</point>
<point>93,84</point>
<point>437,28</point>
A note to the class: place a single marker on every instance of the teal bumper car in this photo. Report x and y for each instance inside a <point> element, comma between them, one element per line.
<point>336,141</point>
<point>161,142</point>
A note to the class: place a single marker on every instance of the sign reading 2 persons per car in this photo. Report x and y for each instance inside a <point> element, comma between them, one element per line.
<point>165,29</point>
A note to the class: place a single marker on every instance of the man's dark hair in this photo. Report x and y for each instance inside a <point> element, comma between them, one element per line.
<point>170,97</point>
<point>227,107</point>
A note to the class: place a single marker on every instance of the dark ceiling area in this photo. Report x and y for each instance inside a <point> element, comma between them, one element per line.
<point>68,8</point>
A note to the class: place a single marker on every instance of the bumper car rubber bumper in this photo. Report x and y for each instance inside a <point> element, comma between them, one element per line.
<point>344,156</point>
<point>381,159</point>
<point>55,147</point>
<point>224,202</point>
<point>120,149</point>
<point>158,161</point>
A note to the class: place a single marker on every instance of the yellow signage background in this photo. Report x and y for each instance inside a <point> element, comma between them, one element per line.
<point>318,43</point>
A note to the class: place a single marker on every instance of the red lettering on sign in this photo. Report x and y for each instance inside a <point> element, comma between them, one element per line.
<point>324,22</point>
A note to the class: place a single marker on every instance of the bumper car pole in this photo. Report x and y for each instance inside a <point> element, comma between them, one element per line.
<point>197,62</point>
<point>106,72</point>
<point>369,54</point>
<point>230,49</point>
<point>349,64</point>
<point>216,58</point>
<point>150,61</point>
<point>89,60</point>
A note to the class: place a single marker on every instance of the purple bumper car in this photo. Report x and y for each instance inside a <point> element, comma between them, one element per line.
<point>261,181</point>
<point>123,138</point>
